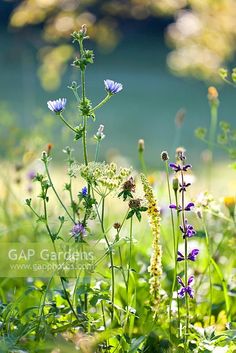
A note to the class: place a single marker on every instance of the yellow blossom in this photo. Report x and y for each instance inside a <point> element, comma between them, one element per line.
<point>155,268</point>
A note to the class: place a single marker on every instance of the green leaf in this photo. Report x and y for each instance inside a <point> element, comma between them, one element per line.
<point>138,215</point>
<point>130,214</point>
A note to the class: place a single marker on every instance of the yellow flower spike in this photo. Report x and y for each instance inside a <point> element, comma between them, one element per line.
<point>155,268</point>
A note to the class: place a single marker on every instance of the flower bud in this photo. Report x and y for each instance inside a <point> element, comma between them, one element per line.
<point>213,95</point>
<point>141,145</point>
<point>175,184</point>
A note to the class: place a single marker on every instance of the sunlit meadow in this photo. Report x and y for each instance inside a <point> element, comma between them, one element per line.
<point>106,257</point>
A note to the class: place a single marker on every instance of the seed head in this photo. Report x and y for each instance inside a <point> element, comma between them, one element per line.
<point>164,156</point>
<point>116,225</point>
<point>135,203</point>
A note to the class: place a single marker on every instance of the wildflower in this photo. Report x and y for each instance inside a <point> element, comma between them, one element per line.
<point>189,206</point>
<point>113,87</point>
<point>100,135</point>
<point>103,176</point>
<point>31,175</point>
<point>136,209</point>
<point>185,289</point>
<point>187,230</point>
<point>84,191</point>
<point>230,202</point>
<point>57,105</point>
<point>78,231</point>
<point>164,156</point>
<point>135,203</point>
<point>127,188</point>
<point>178,167</point>
<point>183,187</point>
<point>191,256</point>
<point>155,268</point>
<point>117,225</point>
<point>179,208</point>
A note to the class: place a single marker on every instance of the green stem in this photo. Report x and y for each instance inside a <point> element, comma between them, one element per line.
<point>97,150</point>
<point>209,267</point>
<point>54,247</point>
<point>55,192</point>
<point>212,136</point>
<point>142,161</point>
<point>66,123</point>
<point>99,105</point>
<point>83,100</point>
<point>111,260</point>
<point>130,254</point>
<point>224,286</point>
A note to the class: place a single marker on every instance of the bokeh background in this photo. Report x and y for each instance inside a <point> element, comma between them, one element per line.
<point>165,52</point>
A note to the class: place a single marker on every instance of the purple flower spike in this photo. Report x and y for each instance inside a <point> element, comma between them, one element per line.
<point>57,106</point>
<point>78,231</point>
<point>193,254</point>
<point>113,87</point>
<point>189,206</point>
<point>186,289</point>
<point>180,256</point>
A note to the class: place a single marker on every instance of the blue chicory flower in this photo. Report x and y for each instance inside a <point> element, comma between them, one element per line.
<point>57,105</point>
<point>113,87</point>
<point>186,289</point>
<point>78,231</point>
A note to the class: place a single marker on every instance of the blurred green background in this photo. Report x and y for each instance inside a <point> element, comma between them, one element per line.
<point>137,43</point>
